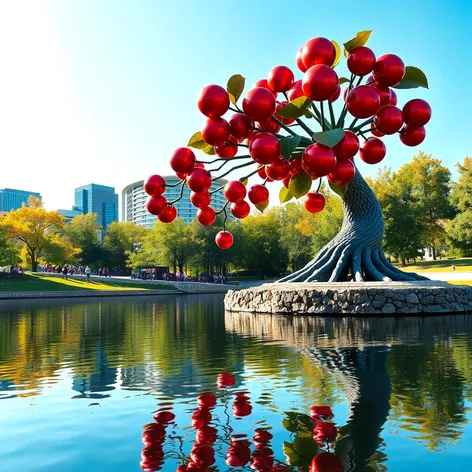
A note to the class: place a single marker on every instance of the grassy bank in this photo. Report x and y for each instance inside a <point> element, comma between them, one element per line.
<point>41,283</point>
<point>443,265</point>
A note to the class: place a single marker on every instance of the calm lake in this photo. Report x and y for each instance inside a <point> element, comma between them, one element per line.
<point>79,381</point>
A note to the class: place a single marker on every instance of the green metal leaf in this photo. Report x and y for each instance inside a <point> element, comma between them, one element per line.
<point>360,39</point>
<point>329,138</point>
<point>343,80</point>
<point>284,197</point>
<point>197,142</point>
<point>414,78</point>
<point>262,207</point>
<point>235,87</point>
<point>292,457</point>
<point>338,53</point>
<point>210,150</point>
<point>288,145</point>
<point>300,184</point>
<point>296,108</point>
<point>339,189</point>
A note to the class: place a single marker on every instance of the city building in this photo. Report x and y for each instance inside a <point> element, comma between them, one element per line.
<point>70,214</point>
<point>133,202</point>
<point>12,199</point>
<point>98,199</point>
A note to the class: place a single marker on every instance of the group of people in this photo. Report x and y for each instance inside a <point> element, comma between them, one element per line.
<point>67,270</point>
<point>179,277</point>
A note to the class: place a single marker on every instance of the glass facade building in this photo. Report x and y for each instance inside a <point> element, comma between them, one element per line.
<point>12,199</point>
<point>134,202</point>
<point>98,199</point>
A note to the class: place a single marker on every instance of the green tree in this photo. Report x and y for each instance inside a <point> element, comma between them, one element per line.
<point>165,244</point>
<point>83,232</point>
<point>297,245</point>
<point>427,183</point>
<point>459,230</point>
<point>122,240</point>
<point>404,228</point>
<point>9,251</point>
<point>37,228</point>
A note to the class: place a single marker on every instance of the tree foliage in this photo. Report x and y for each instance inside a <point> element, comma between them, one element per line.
<point>40,231</point>
<point>83,231</point>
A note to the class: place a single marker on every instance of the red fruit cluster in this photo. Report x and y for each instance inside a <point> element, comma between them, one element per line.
<point>242,405</point>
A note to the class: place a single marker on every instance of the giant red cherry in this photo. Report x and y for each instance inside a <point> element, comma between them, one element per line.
<point>234,191</point>
<point>155,205</point>
<point>227,151</point>
<point>213,101</point>
<point>296,91</point>
<point>326,462</point>
<point>168,214</point>
<point>258,194</point>
<point>361,61</point>
<point>155,185</point>
<point>280,79</point>
<point>372,151</point>
<point>348,147</point>
<point>240,125</point>
<point>216,131</point>
<point>278,170</point>
<point>264,148</point>
<point>416,112</point>
<point>388,119</point>
<point>343,173</point>
<point>183,160</point>
<point>318,160</point>
<point>206,216</point>
<point>240,210</point>
<point>199,180</point>
<point>320,82</point>
<point>318,51</point>
<point>412,136</point>
<point>389,70</point>
<point>201,199</point>
<point>224,239</point>
<point>363,101</point>
<point>314,202</point>
<point>259,104</point>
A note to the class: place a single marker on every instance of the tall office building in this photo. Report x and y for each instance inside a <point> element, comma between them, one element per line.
<point>12,199</point>
<point>69,215</point>
<point>98,199</point>
<point>133,202</point>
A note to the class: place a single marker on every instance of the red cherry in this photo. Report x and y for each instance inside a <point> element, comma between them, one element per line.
<point>234,191</point>
<point>238,455</point>
<point>285,121</point>
<point>202,455</point>
<point>258,194</point>
<point>240,125</point>
<point>299,60</point>
<point>199,180</point>
<point>194,467</point>
<point>183,160</point>
<point>216,131</point>
<point>389,70</point>
<point>240,210</point>
<point>296,166</point>
<point>168,214</point>
<point>224,239</point>
<point>201,417</point>
<point>318,413</point>
<point>262,461</point>
<point>259,104</point>
<point>372,151</point>
<point>363,101</point>
<point>206,216</point>
<point>261,172</point>
<point>278,170</point>
<point>154,435</point>
<point>336,95</point>
<point>264,148</point>
<point>286,181</point>
<point>388,119</point>
<point>343,173</point>
<point>242,409</point>
<point>206,399</point>
<point>270,125</point>
<point>226,151</point>
<point>348,147</point>
<point>411,136</point>
<point>265,84</point>
<point>155,185</point>
<point>182,176</point>
<point>393,98</point>
<point>296,90</point>
<point>320,82</point>
<point>155,205</point>
<point>326,462</point>
<point>280,79</point>
<point>384,92</point>
<point>318,160</point>
<point>314,202</point>
<point>206,435</point>
<point>318,51</point>
<point>416,112</point>
<point>375,131</point>
<point>262,436</point>
<point>361,61</point>
<point>213,101</point>
<point>164,417</point>
<point>225,379</point>
<point>200,200</point>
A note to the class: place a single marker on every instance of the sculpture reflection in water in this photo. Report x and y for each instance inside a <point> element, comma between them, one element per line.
<point>411,370</point>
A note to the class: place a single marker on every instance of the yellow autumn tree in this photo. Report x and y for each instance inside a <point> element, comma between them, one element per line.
<point>41,231</point>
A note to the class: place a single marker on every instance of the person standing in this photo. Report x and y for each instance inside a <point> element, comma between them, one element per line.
<point>64,272</point>
<point>88,271</point>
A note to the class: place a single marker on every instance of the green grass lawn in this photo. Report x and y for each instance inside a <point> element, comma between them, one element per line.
<point>460,282</point>
<point>443,265</point>
<point>42,283</point>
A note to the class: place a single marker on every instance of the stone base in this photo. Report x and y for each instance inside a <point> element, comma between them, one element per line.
<point>352,298</point>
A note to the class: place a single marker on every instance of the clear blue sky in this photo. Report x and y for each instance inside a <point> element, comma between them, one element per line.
<point>104,90</point>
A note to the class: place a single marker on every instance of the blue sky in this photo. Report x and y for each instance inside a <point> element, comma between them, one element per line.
<point>103,91</point>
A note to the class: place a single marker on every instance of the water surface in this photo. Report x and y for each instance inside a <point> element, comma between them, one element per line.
<point>79,380</point>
